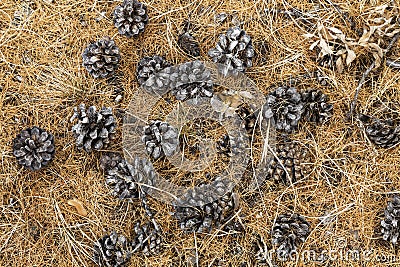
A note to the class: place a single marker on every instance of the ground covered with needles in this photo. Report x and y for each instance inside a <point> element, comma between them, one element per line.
<point>42,80</point>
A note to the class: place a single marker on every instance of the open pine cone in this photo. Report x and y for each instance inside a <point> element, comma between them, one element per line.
<point>188,44</point>
<point>34,148</point>
<point>390,224</point>
<point>148,66</point>
<point>288,232</point>
<point>148,239</point>
<point>191,80</point>
<point>203,218</point>
<point>160,139</point>
<point>101,58</point>
<point>234,49</point>
<point>124,178</point>
<point>316,106</point>
<point>383,133</point>
<point>94,128</point>
<point>112,250</point>
<point>285,106</point>
<point>293,164</point>
<point>130,18</point>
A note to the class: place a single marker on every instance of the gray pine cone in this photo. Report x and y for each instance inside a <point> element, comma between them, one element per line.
<point>94,128</point>
<point>186,80</point>
<point>188,44</point>
<point>101,58</point>
<point>316,106</point>
<point>160,138</point>
<point>249,118</point>
<point>148,239</point>
<point>112,250</point>
<point>390,224</point>
<point>292,164</point>
<point>288,232</point>
<point>203,218</point>
<point>383,133</point>
<point>110,160</point>
<point>119,177</point>
<point>34,148</point>
<point>234,49</point>
<point>285,106</point>
<point>130,18</point>
<point>193,90</point>
<point>148,66</point>
<point>123,177</point>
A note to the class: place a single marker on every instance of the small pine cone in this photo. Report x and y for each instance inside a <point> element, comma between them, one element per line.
<point>191,80</point>
<point>202,218</point>
<point>223,146</point>
<point>186,80</point>
<point>188,44</point>
<point>288,232</point>
<point>101,58</point>
<point>94,128</point>
<point>248,117</point>
<point>383,133</point>
<point>110,160</point>
<point>390,226</point>
<point>148,66</point>
<point>316,106</point>
<point>234,49</point>
<point>285,106</point>
<point>112,250</point>
<point>124,178</point>
<point>34,148</point>
<point>148,239</point>
<point>292,165</point>
<point>160,138</point>
<point>130,18</point>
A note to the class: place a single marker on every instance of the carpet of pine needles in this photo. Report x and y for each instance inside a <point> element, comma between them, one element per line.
<point>42,79</point>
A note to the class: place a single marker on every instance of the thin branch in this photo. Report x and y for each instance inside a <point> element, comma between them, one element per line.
<point>366,73</point>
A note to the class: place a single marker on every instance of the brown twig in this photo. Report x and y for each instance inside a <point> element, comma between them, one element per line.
<point>365,75</point>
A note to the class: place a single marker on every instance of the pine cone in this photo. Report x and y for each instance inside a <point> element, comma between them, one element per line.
<point>285,106</point>
<point>123,177</point>
<point>130,18</point>
<point>186,80</point>
<point>316,106</point>
<point>202,218</point>
<point>148,66</point>
<point>34,148</point>
<point>101,58</point>
<point>288,232</point>
<point>148,239</point>
<point>248,117</point>
<point>223,146</point>
<point>188,44</point>
<point>234,49</point>
<point>160,138</point>
<point>94,128</point>
<point>390,224</point>
<point>292,164</point>
<point>191,80</point>
<point>110,160</point>
<point>383,133</point>
<point>112,250</point>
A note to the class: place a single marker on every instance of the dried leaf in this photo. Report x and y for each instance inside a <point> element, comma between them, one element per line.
<point>325,49</point>
<point>351,56</point>
<point>78,205</point>
<point>339,65</point>
<point>308,35</point>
